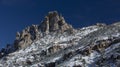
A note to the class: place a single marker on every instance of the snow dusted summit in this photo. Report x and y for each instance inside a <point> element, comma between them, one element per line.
<point>55,43</point>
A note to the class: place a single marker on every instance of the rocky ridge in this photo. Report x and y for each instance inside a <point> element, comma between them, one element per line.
<point>54,43</point>
<point>53,22</point>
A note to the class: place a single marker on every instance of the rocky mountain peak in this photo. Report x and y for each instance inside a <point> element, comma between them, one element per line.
<point>97,45</point>
<point>55,22</point>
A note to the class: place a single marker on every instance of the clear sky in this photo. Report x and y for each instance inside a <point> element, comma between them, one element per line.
<point>15,15</point>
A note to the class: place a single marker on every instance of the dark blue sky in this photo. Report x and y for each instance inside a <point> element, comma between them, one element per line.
<point>15,15</point>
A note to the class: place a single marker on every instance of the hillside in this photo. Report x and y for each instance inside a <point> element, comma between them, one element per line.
<point>55,43</point>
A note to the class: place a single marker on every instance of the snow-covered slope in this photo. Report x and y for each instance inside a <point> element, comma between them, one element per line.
<point>43,45</point>
<point>92,46</point>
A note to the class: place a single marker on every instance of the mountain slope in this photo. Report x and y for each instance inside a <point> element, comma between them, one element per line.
<point>54,43</point>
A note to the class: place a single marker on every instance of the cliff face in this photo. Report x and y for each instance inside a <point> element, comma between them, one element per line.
<point>26,37</point>
<point>54,43</point>
<point>53,23</point>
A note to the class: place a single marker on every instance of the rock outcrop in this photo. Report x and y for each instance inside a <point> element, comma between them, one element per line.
<point>26,37</point>
<point>100,24</point>
<point>53,22</point>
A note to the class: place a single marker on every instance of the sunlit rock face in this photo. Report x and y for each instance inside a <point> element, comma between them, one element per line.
<point>26,37</point>
<point>53,22</point>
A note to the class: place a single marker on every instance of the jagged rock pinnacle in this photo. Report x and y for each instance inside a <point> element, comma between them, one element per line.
<point>53,22</point>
